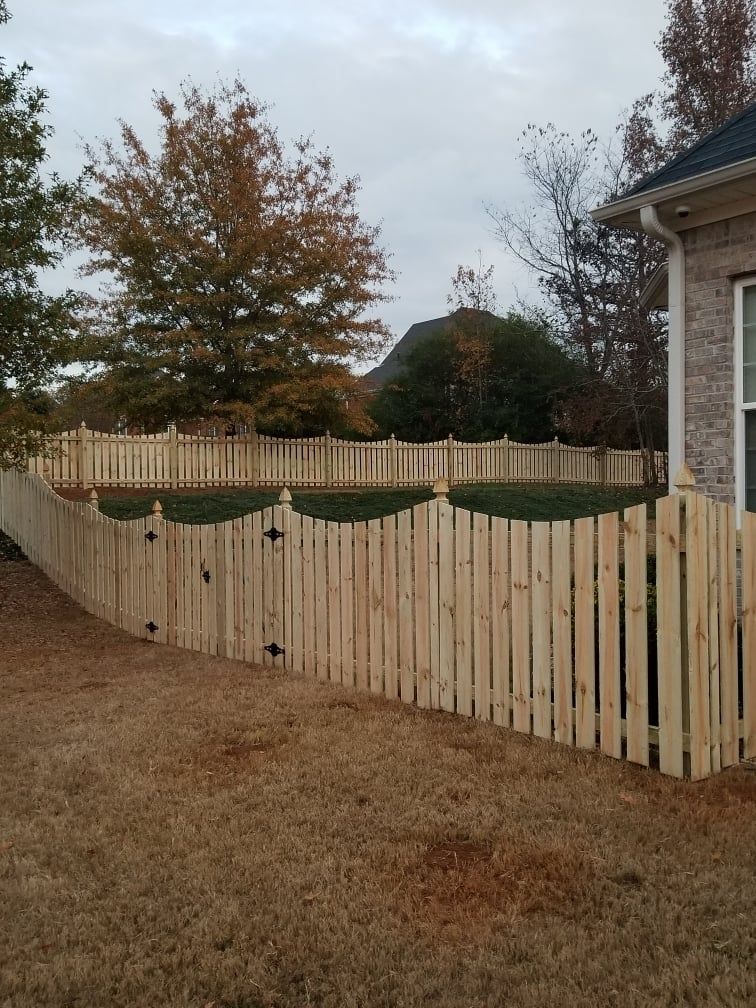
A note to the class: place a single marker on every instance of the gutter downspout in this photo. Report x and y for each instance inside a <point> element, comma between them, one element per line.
<point>676,355</point>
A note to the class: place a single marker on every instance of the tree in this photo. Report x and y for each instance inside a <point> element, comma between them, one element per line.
<point>36,329</point>
<point>243,278</point>
<point>430,397</point>
<point>591,279</point>
<point>708,47</point>
<point>473,304</point>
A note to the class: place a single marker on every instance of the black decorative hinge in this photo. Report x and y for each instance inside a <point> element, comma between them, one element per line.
<point>273,534</point>
<point>273,648</point>
<point>152,627</point>
<point>152,536</point>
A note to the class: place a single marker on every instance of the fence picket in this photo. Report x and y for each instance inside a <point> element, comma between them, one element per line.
<point>375,596</point>
<point>405,608</point>
<point>610,730</point>
<point>333,597</point>
<point>749,635</point>
<point>669,636</point>
<point>481,573</point>
<point>361,607</point>
<point>421,572</point>
<point>346,591</point>
<point>390,628</point>
<point>463,612</point>
<point>697,584</point>
<point>500,620</point>
<point>562,630</point>
<point>541,619</point>
<point>585,638</point>
<point>728,633</point>
<point>446,643</point>
<point>520,626</point>
<point>636,635</point>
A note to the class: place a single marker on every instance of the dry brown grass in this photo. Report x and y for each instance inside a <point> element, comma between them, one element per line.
<point>185,831</point>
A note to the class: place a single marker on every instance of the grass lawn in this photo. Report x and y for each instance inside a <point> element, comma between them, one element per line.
<point>536,502</point>
<point>186,831</point>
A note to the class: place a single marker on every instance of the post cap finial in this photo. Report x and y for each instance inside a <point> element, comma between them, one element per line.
<point>157,509</point>
<point>284,499</point>
<point>82,424</point>
<point>441,489</point>
<point>685,480</point>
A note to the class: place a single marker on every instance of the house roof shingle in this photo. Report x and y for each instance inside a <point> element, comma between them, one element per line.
<point>732,142</point>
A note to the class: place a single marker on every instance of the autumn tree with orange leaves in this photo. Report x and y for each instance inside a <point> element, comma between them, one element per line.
<point>242,279</point>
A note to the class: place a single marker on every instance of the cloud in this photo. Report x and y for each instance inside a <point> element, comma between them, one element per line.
<point>423,100</point>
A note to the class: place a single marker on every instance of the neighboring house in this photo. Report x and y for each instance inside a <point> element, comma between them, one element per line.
<point>702,205</point>
<point>392,364</point>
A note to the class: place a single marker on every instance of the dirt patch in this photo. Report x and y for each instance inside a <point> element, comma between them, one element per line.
<point>456,883</point>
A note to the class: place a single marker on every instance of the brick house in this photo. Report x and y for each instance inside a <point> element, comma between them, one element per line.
<point>702,205</point>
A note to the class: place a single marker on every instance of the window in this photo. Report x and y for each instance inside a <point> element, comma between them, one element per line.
<point>745,395</point>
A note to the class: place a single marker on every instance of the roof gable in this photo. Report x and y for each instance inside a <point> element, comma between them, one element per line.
<point>732,142</point>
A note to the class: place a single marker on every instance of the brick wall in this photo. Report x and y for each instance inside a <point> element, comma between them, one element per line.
<point>715,255</point>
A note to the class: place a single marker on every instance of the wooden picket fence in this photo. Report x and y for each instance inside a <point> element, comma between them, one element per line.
<point>84,458</point>
<point>546,628</point>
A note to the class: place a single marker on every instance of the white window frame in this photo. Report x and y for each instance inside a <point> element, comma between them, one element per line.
<point>741,408</point>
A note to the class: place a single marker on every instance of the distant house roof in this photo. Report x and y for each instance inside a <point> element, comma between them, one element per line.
<point>732,142</point>
<point>392,364</point>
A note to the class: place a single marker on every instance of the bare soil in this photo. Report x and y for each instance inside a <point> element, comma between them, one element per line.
<point>177,830</point>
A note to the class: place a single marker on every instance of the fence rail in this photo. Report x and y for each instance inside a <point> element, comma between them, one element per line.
<point>84,458</point>
<point>523,624</point>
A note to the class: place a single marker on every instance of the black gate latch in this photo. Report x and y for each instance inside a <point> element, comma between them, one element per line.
<point>152,627</point>
<point>273,534</point>
<point>152,536</point>
<point>274,649</point>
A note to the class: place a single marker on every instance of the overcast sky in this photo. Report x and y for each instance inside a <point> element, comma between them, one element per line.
<point>423,99</point>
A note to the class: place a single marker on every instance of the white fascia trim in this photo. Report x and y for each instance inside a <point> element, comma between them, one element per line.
<point>676,339</point>
<point>696,182</point>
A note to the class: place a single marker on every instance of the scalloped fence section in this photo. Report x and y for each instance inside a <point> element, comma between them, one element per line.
<point>609,633</point>
<point>84,458</point>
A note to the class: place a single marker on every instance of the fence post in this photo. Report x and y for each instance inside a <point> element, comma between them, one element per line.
<point>173,456</point>
<point>694,600</point>
<point>327,458</point>
<point>603,454</point>
<point>556,469</point>
<point>450,460</point>
<point>84,460</point>
<point>393,460</point>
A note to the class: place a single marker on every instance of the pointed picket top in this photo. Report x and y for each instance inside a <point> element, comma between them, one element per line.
<point>157,509</point>
<point>284,499</point>
<point>685,481</point>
